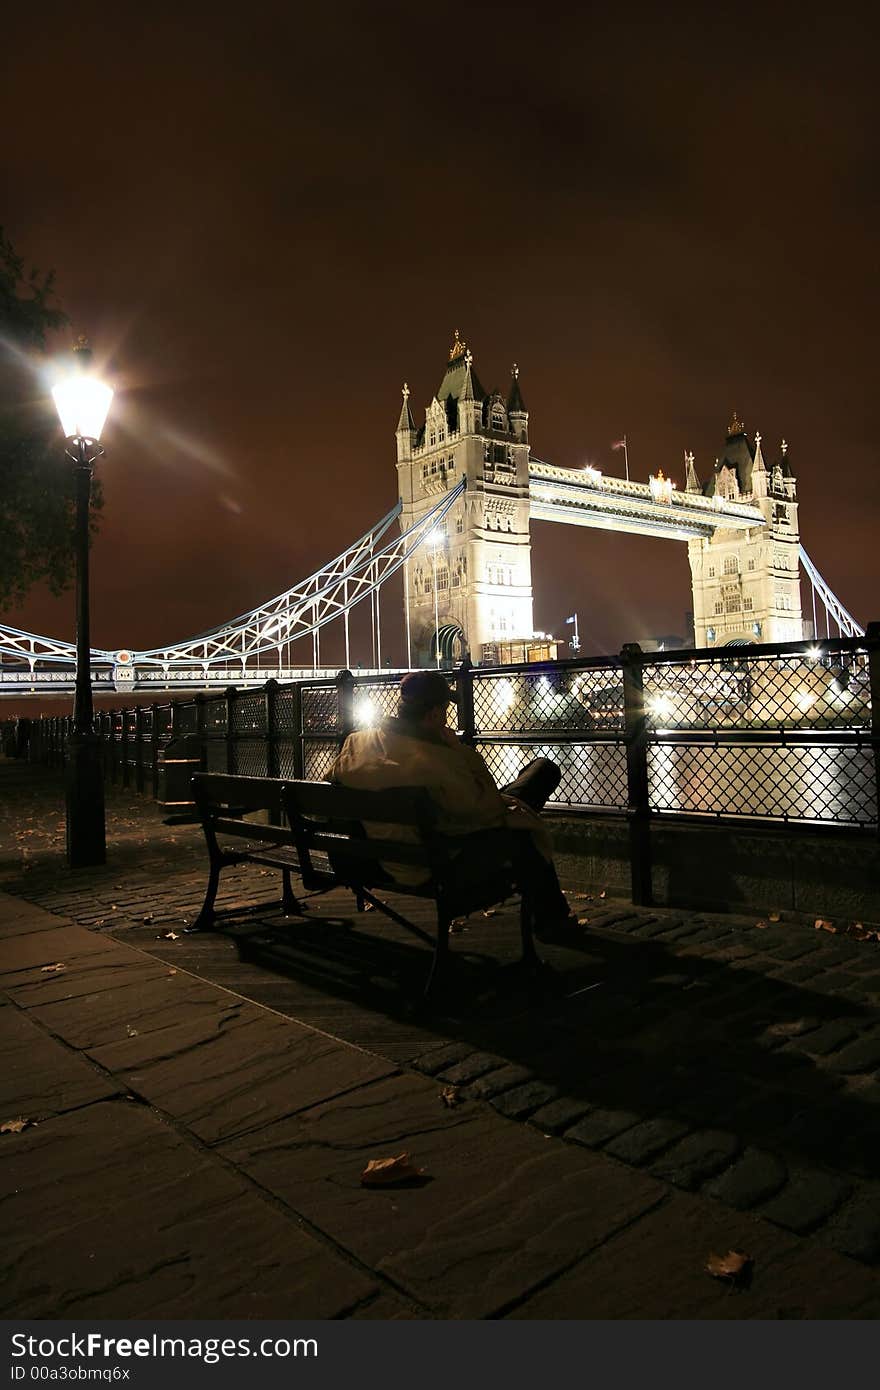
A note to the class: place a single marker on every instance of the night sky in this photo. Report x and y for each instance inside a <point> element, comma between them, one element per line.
<point>267,219</point>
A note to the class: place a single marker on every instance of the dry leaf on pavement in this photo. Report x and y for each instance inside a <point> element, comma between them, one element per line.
<point>389,1172</point>
<point>149,917</point>
<point>583,921</point>
<point>54,969</point>
<point>774,916</point>
<point>458,924</point>
<point>491,912</point>
<point>169,936</point>
<point>822,925</point>
<point>762,926</point>
<point>602,894</point>
<point>735,1266</point>
<point>14,1126</point>
<point>449,1096</point>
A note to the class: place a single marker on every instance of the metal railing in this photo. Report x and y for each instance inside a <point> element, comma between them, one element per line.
<point>786,734</point>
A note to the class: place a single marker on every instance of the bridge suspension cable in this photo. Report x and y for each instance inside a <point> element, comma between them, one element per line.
<point>356,574</point>
<point>834,609</point>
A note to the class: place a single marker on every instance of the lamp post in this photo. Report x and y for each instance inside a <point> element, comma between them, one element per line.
<point>434,540</point>
<point>82,402</point>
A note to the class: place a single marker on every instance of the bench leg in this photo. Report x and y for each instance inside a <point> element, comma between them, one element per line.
<point>440,963</point>
<point>530,956</point>
<point>205,919</point>
<point>289,904</point>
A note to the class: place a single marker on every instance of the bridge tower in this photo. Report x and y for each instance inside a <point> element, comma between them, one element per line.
<point>482,558</point>
<point>746,584</point>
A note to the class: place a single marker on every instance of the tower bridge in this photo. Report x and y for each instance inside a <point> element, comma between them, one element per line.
<point>469,489</point>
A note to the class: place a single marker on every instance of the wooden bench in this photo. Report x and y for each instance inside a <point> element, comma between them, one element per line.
<point>333,821</point>
<point>224,804</point>
<point>327,829</point>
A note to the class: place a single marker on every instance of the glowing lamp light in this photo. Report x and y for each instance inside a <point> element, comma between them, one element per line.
<point>804,699</point>
<point>813,653</point>
<point>435,537</point>
<point>82,402</point>
<point>661,488</point>
<point>661,706</point>
<point>366,714</point>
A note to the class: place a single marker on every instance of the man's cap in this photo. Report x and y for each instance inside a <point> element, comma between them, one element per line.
<point>425,690</point>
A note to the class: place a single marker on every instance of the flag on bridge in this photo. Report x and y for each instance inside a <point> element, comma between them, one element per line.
<point>619,443</point>
<point>572,619</point>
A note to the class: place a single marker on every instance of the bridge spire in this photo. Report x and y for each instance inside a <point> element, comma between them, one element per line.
<point>406,421</point>
<point>692,483</point>
<point>515,403</point>
<point>467,390</point>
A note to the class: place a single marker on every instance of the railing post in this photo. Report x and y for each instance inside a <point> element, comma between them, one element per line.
<point>231,694</point>
<point>138,749</point>
<point>299,759</point>
<point>872,643</point>
<point>638,814</point>
<point>200,731</point>
<point>273,762</point>
<point>126,768</point>
<point>344,705</point>
<point>464,690</point>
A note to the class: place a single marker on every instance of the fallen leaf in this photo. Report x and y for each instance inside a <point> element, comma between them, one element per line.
<point>459,924</point>
<point>822,925</point>
<point>584,897</point>
<point>168,936</point>
<point>132,1032</point>
<point>602,894</point>
<point>762,926</point>
<point>149,917</point>
<point>387,1172</point>
<point>449,1096</point>
<point>775,916</point>
<point>14,1126</point>
<point>583,921</point>
<point>491,912</point>
<point>112,907</point>
<point>735,1266</point>
<point>368,907</point>
<point>54,969</point>
<point>172,972</point>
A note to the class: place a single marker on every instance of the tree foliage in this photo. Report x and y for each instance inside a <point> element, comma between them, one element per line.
<point>36,480</point>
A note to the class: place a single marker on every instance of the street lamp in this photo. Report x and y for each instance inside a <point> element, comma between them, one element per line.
<point>82,402</point>
<point>434,539</point>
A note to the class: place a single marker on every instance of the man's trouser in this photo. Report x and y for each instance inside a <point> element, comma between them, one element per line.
<point>488,856</point>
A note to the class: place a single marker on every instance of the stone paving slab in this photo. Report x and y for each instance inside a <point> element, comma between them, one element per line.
<point>38,1077</point>
<point>235,1067</point>
<point>18,917</point>
<point>165,1232</point>
<point>155,999</point>
<point>502,1210</point>
<point>656,1269</point>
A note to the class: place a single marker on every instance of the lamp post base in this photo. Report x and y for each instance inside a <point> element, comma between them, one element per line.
<point>84,800</point>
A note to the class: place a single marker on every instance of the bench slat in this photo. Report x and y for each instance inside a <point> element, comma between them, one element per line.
<point>409,806</point>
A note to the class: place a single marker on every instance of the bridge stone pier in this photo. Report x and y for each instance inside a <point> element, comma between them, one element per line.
<point>474,583</point>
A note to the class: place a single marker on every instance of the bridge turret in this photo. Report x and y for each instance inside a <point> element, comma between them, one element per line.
<point>746,583</point>
<point>481,564</point>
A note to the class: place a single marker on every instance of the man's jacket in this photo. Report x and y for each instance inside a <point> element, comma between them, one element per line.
<point>402,754</point>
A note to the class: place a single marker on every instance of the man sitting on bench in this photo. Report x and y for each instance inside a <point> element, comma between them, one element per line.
<point>502,828</point>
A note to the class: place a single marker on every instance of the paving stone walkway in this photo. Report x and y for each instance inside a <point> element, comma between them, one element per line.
<point>690,1083</point>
